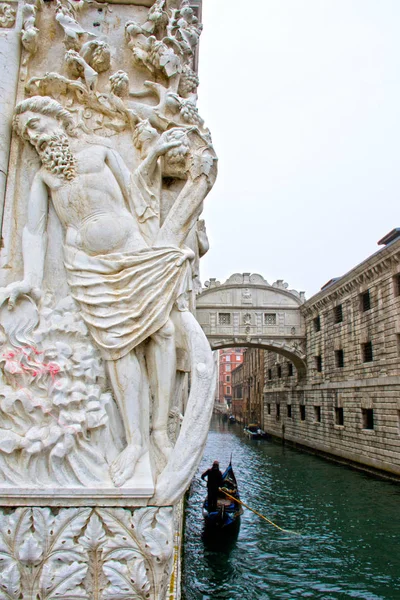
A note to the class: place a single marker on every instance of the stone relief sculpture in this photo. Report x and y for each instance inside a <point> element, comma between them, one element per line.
<point>7,15</point>
<point>103,239</point>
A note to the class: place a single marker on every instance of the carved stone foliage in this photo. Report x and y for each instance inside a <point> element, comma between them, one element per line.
<point>85,554</point>
<point>7,14</point>
<point>54,405</point>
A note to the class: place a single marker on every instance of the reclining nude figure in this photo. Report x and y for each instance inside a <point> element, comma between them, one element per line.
<point>125,288</point>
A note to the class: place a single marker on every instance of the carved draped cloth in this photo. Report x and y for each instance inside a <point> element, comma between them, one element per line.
<point>125,297</point>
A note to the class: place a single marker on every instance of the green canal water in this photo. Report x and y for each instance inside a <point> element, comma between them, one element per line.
<point>349,523</point>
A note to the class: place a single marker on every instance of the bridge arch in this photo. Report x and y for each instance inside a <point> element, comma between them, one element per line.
<point>246,311</point>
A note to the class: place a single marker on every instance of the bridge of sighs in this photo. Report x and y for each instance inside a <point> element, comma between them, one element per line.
<point>247,311</point>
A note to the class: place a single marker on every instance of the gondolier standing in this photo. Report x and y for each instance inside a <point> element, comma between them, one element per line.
<point>214,482</point>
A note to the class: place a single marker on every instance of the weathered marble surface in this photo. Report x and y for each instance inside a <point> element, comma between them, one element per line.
<point>106,173</point>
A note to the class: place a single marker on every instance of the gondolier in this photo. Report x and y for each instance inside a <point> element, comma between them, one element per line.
<point>214,482</point>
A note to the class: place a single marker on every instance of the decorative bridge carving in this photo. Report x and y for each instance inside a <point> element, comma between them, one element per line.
<point>248,311</point>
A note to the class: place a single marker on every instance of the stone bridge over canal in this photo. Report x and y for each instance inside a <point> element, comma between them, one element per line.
<point>247,311</point>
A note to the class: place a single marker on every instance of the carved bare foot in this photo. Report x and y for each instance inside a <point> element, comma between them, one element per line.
<point>162,442</point>
<point>124,465</point>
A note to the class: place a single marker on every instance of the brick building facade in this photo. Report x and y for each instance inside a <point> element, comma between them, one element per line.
<point>229,359</point>
<point>248,385</point>
<point>348,404</point>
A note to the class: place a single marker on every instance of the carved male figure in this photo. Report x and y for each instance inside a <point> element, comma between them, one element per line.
<point>126,289</point>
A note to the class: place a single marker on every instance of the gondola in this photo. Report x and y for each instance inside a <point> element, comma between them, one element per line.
<point>255,433</point>
<point>227,515</point>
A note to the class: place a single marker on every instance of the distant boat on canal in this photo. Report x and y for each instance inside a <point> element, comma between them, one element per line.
<point>254,432</point>
<point>232,419</point>
<point>227,515</point>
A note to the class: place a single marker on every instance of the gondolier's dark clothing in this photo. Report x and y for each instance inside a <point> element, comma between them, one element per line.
<point>214,482</point>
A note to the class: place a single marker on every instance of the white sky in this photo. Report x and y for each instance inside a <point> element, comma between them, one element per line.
<point>302,98</point>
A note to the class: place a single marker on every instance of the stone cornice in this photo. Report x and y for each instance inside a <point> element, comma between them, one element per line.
<point>362,274</point>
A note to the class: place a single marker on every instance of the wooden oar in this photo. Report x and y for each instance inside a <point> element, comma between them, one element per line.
<point>256,513</point>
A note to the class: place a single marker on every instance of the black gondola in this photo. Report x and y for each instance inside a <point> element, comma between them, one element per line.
<point>227,515</point>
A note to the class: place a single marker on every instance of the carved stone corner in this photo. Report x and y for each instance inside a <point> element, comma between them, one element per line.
<point>87,552</point>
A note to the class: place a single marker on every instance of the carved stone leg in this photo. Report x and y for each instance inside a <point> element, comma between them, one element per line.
<point>173,480</point>
<point>161,361</point>
<point>126,378</point>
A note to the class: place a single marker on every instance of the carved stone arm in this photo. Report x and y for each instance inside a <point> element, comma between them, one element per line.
<point>34,241</point>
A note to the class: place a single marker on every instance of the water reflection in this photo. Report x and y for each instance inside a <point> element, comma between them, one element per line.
<point>349,523</point>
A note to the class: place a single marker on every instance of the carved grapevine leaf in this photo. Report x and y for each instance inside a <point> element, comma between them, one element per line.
<point>155,527</point>
<point>95,535</point>
<point>67,526</point>
<point>124,559</point>
<point>31,550</point>
<point>93,541</point>
<point>126,581</point>
<point>10,582</point>
<point>64,572</point>
<point>63,582</point>
<point>43,523</point>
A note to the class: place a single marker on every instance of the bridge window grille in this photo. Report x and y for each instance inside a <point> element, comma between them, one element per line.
<point>338,313</point>
<point>317,323</point>
<point>365,301</point>
<point>289,411</point>
<point>269,319</point>
<point>367,352</point>
<point>290,369</point>
<point>367,418</point>
<point>339,416</point>
<point>302,412</point>
<point>224,319</point>
<point>339,358</point>
<point>317,414</point>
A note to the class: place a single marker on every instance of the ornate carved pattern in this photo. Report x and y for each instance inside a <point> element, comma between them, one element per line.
<point>80,553</point>
<point>7,15</point>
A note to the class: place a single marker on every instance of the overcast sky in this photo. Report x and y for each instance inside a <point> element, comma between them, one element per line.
<point>302,98</point>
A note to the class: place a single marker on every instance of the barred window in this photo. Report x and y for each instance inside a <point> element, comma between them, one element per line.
<point>396,284</point>
<point>339,358</point>
<point>367,352</point>
<point>290,369</point>
<point>289,411</point>
<point>317,414</point>
<point>318,363</point>
<point>339,417</point>
<point>365,301</point>
<point>269,319</point>
<point>302,412</point>
<point>368,418</point>
<point>279,371</point>
<point>338,313</point>
<point>224,319</point>
<point>317,323</point>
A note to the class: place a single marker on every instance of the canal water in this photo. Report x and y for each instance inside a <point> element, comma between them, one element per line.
<point>349,525</point>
